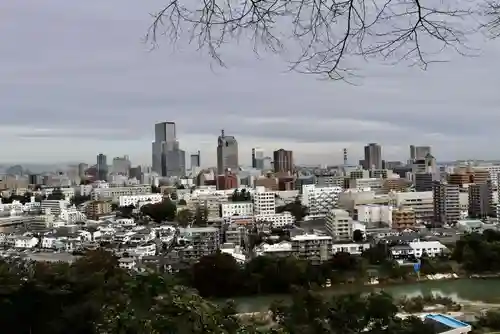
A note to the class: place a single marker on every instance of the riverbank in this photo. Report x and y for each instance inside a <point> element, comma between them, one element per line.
<point>460,289</point>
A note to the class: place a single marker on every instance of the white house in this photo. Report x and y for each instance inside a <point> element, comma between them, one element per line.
<point>134,199</point>
<point>25,242</point>
<point>127,263</point>
<point>238,208</point>
<point>278,220</point>
<point>432,248</point>
<point>351,248</point>
<point>417,248</point>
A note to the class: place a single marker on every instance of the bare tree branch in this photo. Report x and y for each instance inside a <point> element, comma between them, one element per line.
<point>327,31</point>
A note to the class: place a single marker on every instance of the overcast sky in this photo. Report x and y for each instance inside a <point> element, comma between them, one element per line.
<point>76,79</point>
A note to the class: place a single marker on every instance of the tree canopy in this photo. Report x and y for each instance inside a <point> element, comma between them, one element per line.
<point>94,296</point>
<point>296,208</point>
<point>322,37</point>
<point>160,212</point>
<point>241,196</point>
<point>56,194</point>
<point>479,252</point>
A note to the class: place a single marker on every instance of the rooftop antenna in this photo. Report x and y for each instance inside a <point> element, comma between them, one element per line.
<point>345,155</point>
<point>222,133</point>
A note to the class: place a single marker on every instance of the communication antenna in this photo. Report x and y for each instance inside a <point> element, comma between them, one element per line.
<point>345,155</point>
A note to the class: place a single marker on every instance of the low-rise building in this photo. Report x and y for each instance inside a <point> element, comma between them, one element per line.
<point>135,199</point>
<point>277,220</point>
<point>236,209</point>
<point>339,224</point>
<point>312,247</point>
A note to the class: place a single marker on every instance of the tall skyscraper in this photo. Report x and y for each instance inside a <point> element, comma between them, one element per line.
<point>227,153</point>
<point>102,167</point>
<point>121,165</point>
<point>419,152</point>
<point>373,156</point>
<point>257,158</point>
<point>195,160</point>
<point>168,158</point>
<point>283,161</point>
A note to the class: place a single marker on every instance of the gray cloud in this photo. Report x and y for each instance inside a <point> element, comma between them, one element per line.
<point>81,70</point>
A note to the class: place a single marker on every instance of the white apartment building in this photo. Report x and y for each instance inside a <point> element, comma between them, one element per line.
<point>212,201</point>
<point>494,170</point>
<point>281,249</point>
<point>71,215</point>
<point>374,213</point>
<point>420,201</point>
<point>135,199</point>
<point>236,209</point>
<point>371,183</point>
<point>278,220</point>
<point>339,224</point>
<point>114,193</point>
<point>264,202</point>
<point>319,200</point>
<point>54,207</point>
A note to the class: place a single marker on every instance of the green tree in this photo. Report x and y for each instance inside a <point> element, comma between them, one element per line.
<point>224,273</point>
<point>79,199</point>
<point>56,194</point>
<point>160,212</point>
<point>296,208</point>
<point>357,236</point>
<point>201,216</point>
<point>184,217</point>
<point>478,252</point>
<point>241,196</point>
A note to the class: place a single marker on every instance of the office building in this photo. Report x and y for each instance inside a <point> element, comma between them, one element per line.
<point>264,202</point>
<point>283,161</point>
<point>82,168</point>
<point>446,200</point>
<point>168,158</point>
<point>257,158</point>
<point>102,167</point>
<point>195,160</point>
<point>419,152</point>
<point>481,200</point>
<point>227,154</point>
<point>373,156</point>
<point>121,165</point>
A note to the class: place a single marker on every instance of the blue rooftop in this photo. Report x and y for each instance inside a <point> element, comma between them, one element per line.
<point>447,320</point>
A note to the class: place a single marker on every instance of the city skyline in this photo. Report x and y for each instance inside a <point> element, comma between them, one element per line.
<point>101,90</point>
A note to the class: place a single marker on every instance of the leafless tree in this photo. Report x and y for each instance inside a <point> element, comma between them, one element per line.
<point>323,34</point>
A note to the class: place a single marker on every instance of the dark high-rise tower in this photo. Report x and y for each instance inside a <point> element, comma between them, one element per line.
<point>168,159</point>
<point>373,156</point>
<point>102,167</point>
<point>227,153</point>
<point>283,161</point>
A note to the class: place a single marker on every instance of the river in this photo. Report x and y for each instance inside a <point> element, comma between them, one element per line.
<point>482,290</point>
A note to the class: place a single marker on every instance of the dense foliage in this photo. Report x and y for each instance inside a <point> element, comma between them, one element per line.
<point>160,212</point>
<point>93,295</point>
<point>479,252</point>
<point>269,275</point>
<point>241,196</point>
<point>296,208</point>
